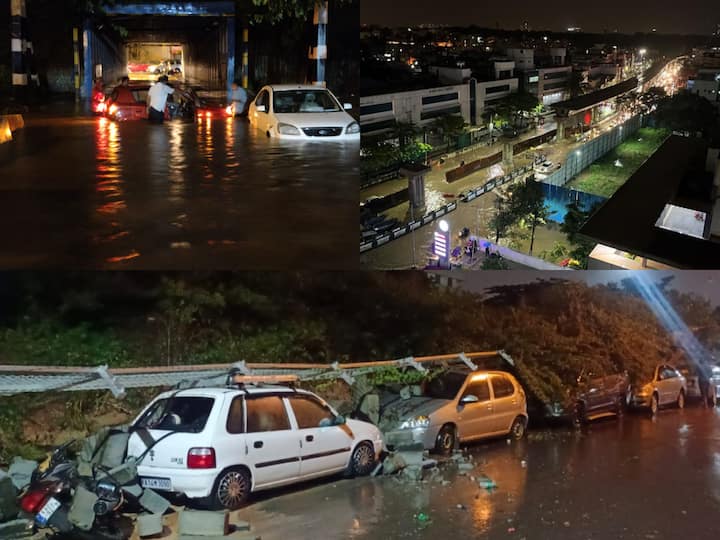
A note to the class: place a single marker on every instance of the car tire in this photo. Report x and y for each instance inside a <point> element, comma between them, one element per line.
<point>362,460</point>
<point>654,405</point>
<point>230,490</point>
<point>680,403</point>
<point>712,399</point>
<point>620,407</point>
<point>579,416</point>
<point>517,429</point>
<point>446,440</point>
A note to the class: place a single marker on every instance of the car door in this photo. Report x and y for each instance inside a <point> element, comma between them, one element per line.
<point>598,395</point>
<point>324,446</point>
<point>476,419</point>
<point>272,448</point>
<point>262,119</point>
<point>505,402</point>
<point>668,385</point>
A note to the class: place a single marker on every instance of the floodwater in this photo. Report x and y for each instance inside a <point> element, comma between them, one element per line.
<point>86,192</point>
<point>634,479</point>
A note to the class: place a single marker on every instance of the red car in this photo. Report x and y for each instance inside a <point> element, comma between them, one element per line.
<point>129,103</point>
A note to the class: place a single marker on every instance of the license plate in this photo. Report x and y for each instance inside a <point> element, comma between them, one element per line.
<point>156,483</point>
<point>47,511</point>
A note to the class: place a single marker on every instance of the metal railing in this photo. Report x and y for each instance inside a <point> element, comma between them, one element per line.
<point>16,379</point>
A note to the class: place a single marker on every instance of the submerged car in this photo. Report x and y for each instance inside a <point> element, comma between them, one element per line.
<point>302,112</point>
<point>129,103</point>
<point>217,445</point>
<point>459,405</point>
<point>593,397</point>
<point>667,386</point>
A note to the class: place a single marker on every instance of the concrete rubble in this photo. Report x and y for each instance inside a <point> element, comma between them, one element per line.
<point>106,450</point>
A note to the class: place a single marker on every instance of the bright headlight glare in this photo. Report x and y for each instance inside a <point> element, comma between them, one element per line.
<point>418,421</point>
<point>287,129</point>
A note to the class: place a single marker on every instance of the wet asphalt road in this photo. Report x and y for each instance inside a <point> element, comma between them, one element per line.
<point>85,192</point>
<point>635,479</point>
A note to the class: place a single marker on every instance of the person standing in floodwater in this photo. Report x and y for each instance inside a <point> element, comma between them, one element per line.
<point>157,99</point>
<point>239,98</point>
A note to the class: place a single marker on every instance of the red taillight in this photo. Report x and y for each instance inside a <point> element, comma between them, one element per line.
<point>201,458</point>
<point>32,501</point>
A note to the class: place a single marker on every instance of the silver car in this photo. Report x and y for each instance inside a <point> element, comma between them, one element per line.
<point>667,386</point>
<point>458,405</point>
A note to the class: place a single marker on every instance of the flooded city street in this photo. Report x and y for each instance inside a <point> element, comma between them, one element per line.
<point>616,480</point>
<point>86,192</point>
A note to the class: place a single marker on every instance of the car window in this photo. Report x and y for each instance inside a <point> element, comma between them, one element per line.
<point>502,387</point>
<point>262,99</point>
<point>140,95</point>
<point>310,413</point>
<point>266,414</point>
<point>236,417</point>
<point>445,386</point>
<point>299,101</point>
<point>479,389</point>
<point>178,414</point>
<point>669,373</point>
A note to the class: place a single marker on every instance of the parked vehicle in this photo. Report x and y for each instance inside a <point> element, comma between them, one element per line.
<point>302,112</point>
<point>666,387</point>
<point>217,445</point>
<point>691,373</point>
<point>458,405</point>
<point>593,397</point>
<point>49,497</point>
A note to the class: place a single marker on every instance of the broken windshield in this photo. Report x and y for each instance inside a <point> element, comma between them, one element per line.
<point>178,414</point>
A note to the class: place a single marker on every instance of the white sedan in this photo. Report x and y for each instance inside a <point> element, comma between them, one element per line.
<point>302,112</point>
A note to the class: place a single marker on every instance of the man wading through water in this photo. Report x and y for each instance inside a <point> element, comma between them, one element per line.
<point>156,100</point>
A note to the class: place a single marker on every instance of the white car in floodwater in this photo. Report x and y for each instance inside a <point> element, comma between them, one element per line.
<point>302,112</point>
<point>220,444</point>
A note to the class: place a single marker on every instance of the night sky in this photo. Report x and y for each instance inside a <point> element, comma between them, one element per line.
<point>668,16</point>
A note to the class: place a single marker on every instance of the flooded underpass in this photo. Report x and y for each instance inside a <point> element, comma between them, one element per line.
<point>86,192</point>
<point>634,479</point>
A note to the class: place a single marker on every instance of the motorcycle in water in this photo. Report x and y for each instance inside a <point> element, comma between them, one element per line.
<point>49,497</point>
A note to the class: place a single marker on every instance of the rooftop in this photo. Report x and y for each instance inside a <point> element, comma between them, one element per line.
<point>674,175</point>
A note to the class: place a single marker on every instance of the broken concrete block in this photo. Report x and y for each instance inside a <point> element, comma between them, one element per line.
<point>149,524</point>
<point>21,471</point>
<point>203,523</point>
<point>393,463</point>
<point>154,503</point>
<point>8,498</point>
<point>124,473</point>
<point>416,390</point>
<point>241,526</point>
<point>405,392</point>
<point>18,528</point>
<point>233,536</point>
<point>413,472</point>
<point>133,489</point>
<point>81,512</point>
<point>466,466</point>
<point>412,454</point>
<point>371,407</point>
<point>113,451</point>
<point>84,468</point>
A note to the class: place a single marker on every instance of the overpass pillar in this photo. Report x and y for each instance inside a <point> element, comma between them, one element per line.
<point>508,154</point>
<point>319,53</point>
<point>560,130</point>
<point>415,174</point>
<point>230,36</point>
<point>17,47</point>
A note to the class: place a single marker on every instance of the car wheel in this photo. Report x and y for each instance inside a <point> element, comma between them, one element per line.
<point>517,430</point>
<point>680,400</point>
<point>268,134</point>
<point>446,440</point>
<point>653,405</point>
<point>712,399</point>
<point>362,461</point>
<point>579,417</point>
<point>620,407</point>
<point>231,489</point>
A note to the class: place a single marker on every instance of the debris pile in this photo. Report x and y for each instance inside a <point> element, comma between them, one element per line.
<point>102,458</point>
<point>411,461</point>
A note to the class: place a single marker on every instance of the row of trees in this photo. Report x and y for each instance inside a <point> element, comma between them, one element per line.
<point>523,206</point>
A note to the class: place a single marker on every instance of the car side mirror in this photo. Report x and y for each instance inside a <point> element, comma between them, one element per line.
<point>260,108</point>
<point>347,106</point>
<point>469,398</point>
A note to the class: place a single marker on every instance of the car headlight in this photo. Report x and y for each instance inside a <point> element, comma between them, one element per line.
<point>287,129</point>
<point>418,421</point>
<point>353,128</point>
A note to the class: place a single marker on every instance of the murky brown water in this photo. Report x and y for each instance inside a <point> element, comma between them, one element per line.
<point>84,192</point>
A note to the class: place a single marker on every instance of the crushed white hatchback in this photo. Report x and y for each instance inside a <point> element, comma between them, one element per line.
<point>302,112</point>
<point>220,444</point>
